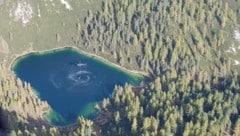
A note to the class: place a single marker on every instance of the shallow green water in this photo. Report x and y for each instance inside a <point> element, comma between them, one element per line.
<point>70,82</point>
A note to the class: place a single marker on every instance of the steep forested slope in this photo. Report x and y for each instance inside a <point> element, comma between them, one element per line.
<point>161,36</point>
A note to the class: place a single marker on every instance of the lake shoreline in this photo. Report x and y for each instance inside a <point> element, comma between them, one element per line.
<point>19,56</point>
<point>90,55</point>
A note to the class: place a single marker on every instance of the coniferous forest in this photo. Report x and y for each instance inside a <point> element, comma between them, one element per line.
<point>189,50</point>
<point>183,44</point>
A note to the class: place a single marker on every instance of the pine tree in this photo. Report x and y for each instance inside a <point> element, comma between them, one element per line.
<point>134,126</point>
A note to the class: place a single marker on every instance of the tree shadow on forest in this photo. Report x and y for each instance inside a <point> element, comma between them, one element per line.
<point>3,123</point>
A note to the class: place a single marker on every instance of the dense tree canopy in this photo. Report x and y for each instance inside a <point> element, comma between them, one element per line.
<point>182,43</point>
<point>163,36</point>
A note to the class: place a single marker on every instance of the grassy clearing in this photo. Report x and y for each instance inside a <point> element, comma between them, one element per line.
<point>55,27</point>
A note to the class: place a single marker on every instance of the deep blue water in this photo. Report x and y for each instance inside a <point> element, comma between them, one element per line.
<point>70,82</point>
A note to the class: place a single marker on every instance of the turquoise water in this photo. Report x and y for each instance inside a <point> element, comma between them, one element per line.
<point>72,83</point>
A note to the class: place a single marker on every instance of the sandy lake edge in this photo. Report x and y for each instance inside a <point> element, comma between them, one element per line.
<point>18,56</point>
